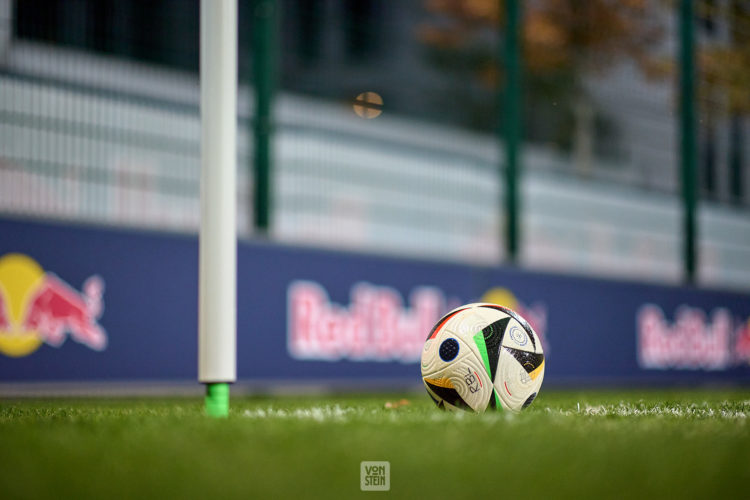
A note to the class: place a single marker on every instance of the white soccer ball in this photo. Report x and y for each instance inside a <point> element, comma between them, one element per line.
<point>482,356</point>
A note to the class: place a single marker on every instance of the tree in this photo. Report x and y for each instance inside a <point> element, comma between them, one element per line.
<point>725,65</point>
<point>564,41</point>
<point>724,80</point>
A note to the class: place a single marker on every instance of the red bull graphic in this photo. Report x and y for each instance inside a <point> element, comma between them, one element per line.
<point>376,325</point>
<point>694,341</point>
<point>742,344</point>
<point>4,321</point>
<point>38,307</point>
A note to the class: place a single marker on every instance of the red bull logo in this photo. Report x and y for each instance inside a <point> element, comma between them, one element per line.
<point>37,307</point>
<point>693,341</point>
<point>377,324</point>
<point>742,344</point>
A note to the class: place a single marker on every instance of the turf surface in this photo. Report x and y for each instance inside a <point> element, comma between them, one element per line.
<point>689,444</point>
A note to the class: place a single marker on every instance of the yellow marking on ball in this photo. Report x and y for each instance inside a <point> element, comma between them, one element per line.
<point>440,382</point>
<point>535,373</point>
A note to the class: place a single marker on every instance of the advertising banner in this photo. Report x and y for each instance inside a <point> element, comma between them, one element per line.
<point>92,304</point>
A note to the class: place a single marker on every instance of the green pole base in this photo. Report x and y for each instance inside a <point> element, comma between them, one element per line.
<point>217,400</point>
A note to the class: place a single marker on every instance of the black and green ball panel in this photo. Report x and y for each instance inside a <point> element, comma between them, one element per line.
<point>489,341</point>
<point>513,314</point>
<point>493,335</point>
<point>530,361</point>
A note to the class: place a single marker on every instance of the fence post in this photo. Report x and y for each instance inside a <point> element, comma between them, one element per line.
<point>511,124</point>
<point>264,77</point>
<point>688,150</point>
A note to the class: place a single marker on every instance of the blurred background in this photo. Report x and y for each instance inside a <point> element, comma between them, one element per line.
<point>583,162</point>
<point>380,126</point>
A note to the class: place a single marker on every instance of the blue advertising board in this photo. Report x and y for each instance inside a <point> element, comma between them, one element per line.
<point>94,304</point>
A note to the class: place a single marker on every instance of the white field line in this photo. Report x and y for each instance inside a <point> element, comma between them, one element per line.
<point>640,409</point>
<point>316,413</point>
<point>336,413</point>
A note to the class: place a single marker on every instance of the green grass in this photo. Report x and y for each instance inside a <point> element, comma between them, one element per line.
<point>593,444</point>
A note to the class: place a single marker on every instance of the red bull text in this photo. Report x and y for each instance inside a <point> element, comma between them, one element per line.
<point>376,325</point>
<point>693,341</point>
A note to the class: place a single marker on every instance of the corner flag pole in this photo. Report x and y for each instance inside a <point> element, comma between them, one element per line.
<point>217,329</point>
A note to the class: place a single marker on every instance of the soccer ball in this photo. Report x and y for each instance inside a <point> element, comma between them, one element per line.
<point>482,356</point>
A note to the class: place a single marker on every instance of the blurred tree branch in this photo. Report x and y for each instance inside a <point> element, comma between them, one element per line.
<point>558,35</point>
<point>563,42</point>
<point>724,65</point>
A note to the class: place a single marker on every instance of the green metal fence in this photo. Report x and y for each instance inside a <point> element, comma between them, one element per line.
<point>551,134</point>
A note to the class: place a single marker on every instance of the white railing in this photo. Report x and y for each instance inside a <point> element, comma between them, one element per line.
<point>115,143</point>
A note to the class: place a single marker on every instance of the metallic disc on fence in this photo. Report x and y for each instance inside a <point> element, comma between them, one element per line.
<point>368,105</point>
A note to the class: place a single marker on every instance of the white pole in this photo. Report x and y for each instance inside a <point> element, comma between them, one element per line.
<point>217,337</point>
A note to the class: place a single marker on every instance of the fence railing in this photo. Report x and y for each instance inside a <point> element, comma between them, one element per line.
<point>93,133</point>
